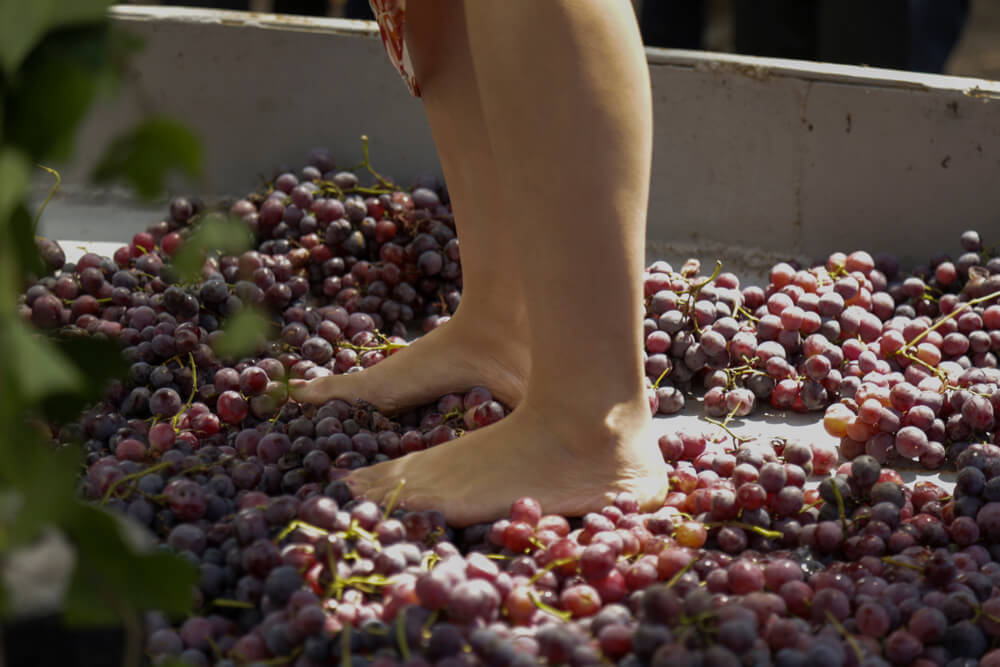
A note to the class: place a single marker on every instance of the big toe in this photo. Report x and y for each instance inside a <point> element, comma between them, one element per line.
<point>318,390</point>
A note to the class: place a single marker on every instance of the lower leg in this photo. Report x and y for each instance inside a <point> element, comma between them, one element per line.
<point>485,343</point>
<point>565,94</point>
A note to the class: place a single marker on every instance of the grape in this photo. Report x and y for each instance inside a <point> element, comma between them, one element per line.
<point>208,454</point>
<point>232,407</point>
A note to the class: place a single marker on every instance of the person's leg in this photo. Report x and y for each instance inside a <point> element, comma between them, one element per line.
<point>566,98</point>
<point>485,343</point>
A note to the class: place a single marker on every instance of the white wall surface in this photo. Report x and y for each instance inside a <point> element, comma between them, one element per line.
<point>761,157</point>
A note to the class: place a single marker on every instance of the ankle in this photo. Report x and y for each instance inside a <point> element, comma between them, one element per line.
<point>585,418</point>
<point>507,316</point>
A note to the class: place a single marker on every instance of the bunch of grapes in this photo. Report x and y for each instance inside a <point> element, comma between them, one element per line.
<point>747,561</point>
<point>734,567</point>
<point>906,368</point>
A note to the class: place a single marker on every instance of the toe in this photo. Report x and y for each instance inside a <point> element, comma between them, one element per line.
<point>306,391</point>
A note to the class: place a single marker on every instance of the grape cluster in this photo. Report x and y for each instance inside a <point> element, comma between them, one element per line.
<point>733,569</point>
<point>905,367</point>
<point>746,562</point>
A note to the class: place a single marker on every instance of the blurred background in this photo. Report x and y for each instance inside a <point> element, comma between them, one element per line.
<point>959,37</point>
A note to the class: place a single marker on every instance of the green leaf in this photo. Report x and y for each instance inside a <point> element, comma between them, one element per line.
<point>228,235</point>
<point>242,333</point>
<point>75,12</point>
<point>145,155</point>
<point>24,23</point>
<point>37,365</point>
<point>22,241</point>
<point>15,176</point>
<point>44,479</point>
<point>54,90</point>
<point>99,360</point>
<point>112,579</point>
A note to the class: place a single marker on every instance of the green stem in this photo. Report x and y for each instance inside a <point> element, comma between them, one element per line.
<point>194,391</point>
<point>739,440</point>
<point>680,573</point>
<point>840,505</point>
<point>404,646</point>
<point>368,165</point>
<point>393,498</point>
<point>297,524</point>
<point>134,476</point>
<point>764,532</point>
<point>232,604</point>
<point>968,304</point>
<point>548,609</point>
<point>548,568</point>
<point>898,563</point>
<point>52,192</point>
<point>370,348</point>
<point>846,635</point>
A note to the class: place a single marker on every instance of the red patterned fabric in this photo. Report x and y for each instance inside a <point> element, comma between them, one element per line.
<point>391,17</point>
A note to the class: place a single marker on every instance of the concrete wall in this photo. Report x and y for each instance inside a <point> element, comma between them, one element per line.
<point>779,157</point>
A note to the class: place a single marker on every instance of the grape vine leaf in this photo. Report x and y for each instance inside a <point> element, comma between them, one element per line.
<point>15,174</point>
<point>227,235</point>
<point>40,477</point>
<point>100,360</point>
<point>242,333</point>
<point>144,156</point>
<point>22,242</point>
<point>53,91</point>
<point>112,578</point>
<point>23,24</point>
<point>40,368</point>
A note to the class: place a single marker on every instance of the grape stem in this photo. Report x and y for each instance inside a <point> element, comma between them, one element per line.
<point>810,506</point>
<point>695,291</point>
<point>52,192</point>
<point>840,505</point>
<point>392,499</point>
<point>194,391</point>
<point>847,636</point>
<point>384,347</point>
<point>367,164</point>
<point>404,647</point>
<point>431,559</point>
<point>898,563</point>
<point>537,601</point>
<point>426,629</point>
<point>548,568</point>
<point>968,304</point>
<point>738,440</point>
<point>677,575</point>
<point>763,532</point>
<point>296,524</point>
<point>134,476</point>
<point>233,604</point>
<point>656,385</point>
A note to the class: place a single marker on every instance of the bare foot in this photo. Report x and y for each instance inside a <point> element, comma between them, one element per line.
<point>458,355</point>
<point>572,463</point>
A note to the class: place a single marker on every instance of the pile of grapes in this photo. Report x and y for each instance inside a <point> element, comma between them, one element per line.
<point>745,562</point>
<point>906,368</point>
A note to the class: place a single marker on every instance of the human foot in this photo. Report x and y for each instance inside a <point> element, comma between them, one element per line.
<point>454,357</point>
<point>572,463</point>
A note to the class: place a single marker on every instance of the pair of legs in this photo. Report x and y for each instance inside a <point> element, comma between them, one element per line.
<point>541,115</point>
